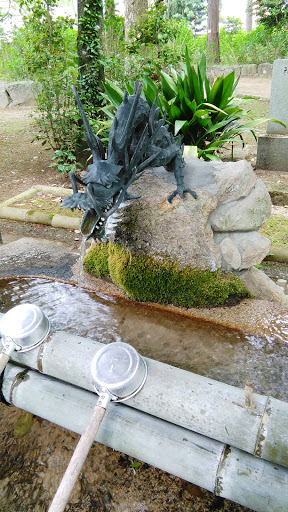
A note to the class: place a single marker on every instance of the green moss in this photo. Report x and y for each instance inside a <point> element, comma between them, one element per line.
<point>96,260</point>
<point>276,229</point>
<point>146,279</point>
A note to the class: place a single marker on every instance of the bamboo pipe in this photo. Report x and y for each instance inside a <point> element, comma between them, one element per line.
<point>197,403</point>
<point>227,471</point>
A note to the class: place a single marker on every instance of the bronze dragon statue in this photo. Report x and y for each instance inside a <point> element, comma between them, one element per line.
<point>137,139</point>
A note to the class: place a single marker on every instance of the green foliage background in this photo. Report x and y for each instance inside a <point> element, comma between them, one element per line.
<point>45,50</point>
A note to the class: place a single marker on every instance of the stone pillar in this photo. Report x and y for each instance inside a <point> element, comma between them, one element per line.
<point>273,147</point>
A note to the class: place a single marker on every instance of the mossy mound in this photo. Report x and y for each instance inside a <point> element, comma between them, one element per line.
<point>145,279</point>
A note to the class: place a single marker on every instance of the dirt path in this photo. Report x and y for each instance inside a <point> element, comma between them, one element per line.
<point>255,86</point>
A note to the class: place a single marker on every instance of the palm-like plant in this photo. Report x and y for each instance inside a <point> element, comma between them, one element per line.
<point>205,116</point>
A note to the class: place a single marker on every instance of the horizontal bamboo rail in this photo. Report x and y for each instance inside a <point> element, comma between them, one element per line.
<point>203,405</point>
<point>227,471</point>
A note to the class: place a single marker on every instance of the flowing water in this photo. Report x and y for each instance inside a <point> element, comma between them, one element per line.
<point>81,258</point>
<point>205,348</point>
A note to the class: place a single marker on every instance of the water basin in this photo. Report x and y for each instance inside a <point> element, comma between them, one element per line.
<point>218,352</point>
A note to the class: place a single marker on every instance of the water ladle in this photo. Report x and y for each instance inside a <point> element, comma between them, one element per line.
<point>22,328</point>
<point>119,373</point>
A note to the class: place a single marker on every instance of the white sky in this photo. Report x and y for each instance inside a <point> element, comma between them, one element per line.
<point>231,8</point>
<point>236,8</point>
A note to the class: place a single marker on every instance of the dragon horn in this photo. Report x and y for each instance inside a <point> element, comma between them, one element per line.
<point>93,142</point>
<point>122,141</point>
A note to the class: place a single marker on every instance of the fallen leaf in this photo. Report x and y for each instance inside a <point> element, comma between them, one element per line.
<point>23,425</point>
<point>193,490</point>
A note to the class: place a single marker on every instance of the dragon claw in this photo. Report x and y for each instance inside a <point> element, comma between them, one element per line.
<point>181,191</point>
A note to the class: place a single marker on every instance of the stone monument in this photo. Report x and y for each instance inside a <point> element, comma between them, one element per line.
<point>273,146</point>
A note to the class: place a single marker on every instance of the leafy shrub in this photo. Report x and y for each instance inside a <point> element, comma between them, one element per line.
<point>149,49</point>
<point>206,116</point>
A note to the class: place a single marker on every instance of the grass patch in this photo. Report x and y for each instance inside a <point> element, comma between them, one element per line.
<point>46,203</point>
<point>276,229</point>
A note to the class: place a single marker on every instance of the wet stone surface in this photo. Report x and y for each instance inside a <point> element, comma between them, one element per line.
<point>28,256</point>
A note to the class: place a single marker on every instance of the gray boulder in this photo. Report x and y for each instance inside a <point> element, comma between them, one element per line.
<point>179,231</point>
<point>241,250</point>
<point>247,214</point>
<point>234,180</point>
<point>21,93</point>
<point>4,97</point>
<point>217,230</point>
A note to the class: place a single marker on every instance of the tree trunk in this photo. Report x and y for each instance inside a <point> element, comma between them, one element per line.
<point>91,71</point>
<point>213,31</point>
<point>133,9</point>
<point>249,15</point>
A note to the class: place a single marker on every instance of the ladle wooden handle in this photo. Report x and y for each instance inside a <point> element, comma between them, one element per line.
<point>4,358</point>
<point>76,463</point>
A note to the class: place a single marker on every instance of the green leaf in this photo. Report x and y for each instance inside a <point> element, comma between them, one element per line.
<point>213,157</point>
<point>227,92</point>
<point>168,85</point>
<point>178,125</point>
<point>23,425</point>
<point>114,93</point>
<point>189,79</point>
<point>214,108</point>
<point>216,90</point>
<point>198,89</point>
<point>174,113</point>
<point>150,90</point>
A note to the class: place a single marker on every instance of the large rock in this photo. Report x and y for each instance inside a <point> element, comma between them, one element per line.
<point>234,180</point>
<point>229,181</point>
<point>4,97</point>
<point>241,250</point>
<point>217,230</point>
<point>263,287</point>
<point>21,93</point>
<point>246,215</point>
<point>178,231</point>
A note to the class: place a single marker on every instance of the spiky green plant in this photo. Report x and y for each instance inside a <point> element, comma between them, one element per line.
<point>206,116</point>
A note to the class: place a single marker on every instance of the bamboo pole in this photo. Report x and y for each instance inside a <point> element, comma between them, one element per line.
<point>76,463</point>
<point>227,471</point>
<point>197,403</point>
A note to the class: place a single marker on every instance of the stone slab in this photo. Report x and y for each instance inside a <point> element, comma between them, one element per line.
<point>31,256</point>
<point>278,98</point>
<point>265,69</point>
<point>272,153</point>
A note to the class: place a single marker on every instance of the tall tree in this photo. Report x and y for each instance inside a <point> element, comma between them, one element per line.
<point>213,31</point>
<point>249,15</point>
<point>90,54</point>
<point>133,9</point>
<point>194,11</point>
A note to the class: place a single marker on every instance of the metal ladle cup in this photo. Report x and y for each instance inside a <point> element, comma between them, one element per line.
<point>118,372</point>
<point>22,328</point>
